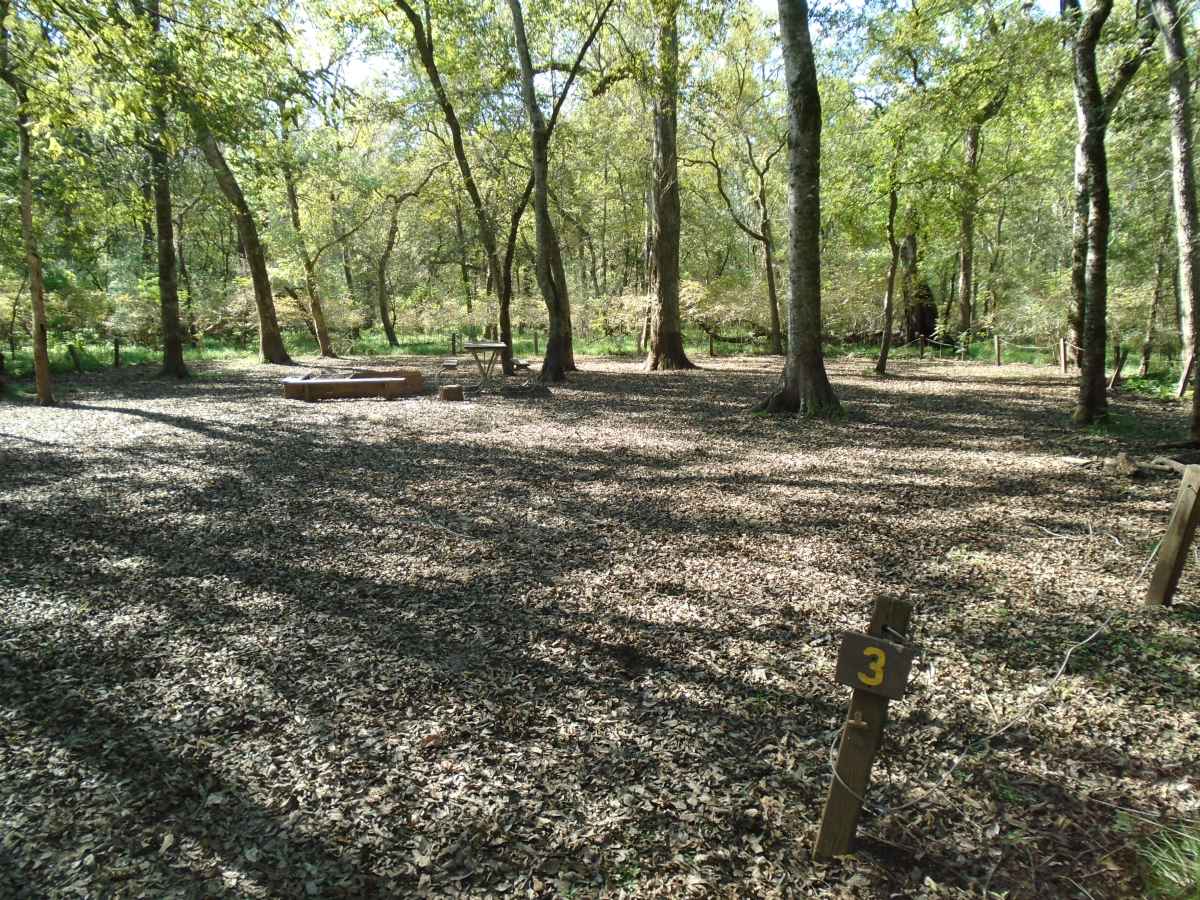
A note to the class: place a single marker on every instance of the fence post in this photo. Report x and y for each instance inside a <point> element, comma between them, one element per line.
<point>116,353</point>
<point>1181,529</point>
<point>535,342</point>
<point>996,341</point>
<point>712,350</point>
<point>1062,354</point>
<point>922,346</point>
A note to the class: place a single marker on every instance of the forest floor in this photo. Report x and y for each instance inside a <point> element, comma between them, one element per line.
<point>581,645</point>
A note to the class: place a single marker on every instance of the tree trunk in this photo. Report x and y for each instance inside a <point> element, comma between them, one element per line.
<point>164,221</point>
<point>33,259</point>
<point>344,246</point>
<point>889,290</point>
<point>311,282</point>
<point>1093,109</point>
<point>666,334</point>
<point>1187,231</point>
<point>768,243</point>
<point>505,293</point>
<point>1156,299</point>
<point>270,340</point>
<point>1093,386</point>
<point>966,234</point>
<point>805,389</point>
<point>487,229</point>
<point>168,276</point>
<point>551,276</point>
<point>185,279</point>
<point>463,268</point>
<point>385,314</point>
<point>1079,251</point>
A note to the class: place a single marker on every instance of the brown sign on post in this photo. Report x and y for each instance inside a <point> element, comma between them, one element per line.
<point>874,665</point>
<point>863,730</point>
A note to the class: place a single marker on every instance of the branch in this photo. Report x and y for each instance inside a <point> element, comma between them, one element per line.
<point>1132,63</point>
<point>737,220</point>
<point>595,30</point>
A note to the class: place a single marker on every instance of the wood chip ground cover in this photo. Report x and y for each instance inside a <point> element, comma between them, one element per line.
<point>580,645</point>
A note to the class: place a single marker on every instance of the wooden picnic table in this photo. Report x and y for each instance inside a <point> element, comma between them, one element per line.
<point>490,350</point>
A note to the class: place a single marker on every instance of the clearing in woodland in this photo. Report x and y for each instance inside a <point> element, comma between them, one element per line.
<point>579,645</point>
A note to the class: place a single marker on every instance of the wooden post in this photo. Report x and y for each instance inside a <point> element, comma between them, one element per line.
<point>1181,529</point>
<point>75,360</point>
<point>116,353</point>
<point>535,342</point>
<point>861,736</point>
<point>453,343</point>
<point>1062,354</point>
<point>1187,375</point>
<point>712,350</point>
<point>996,342</point>
<point>922,346</point>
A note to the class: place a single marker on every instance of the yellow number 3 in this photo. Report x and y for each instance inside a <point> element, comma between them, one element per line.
<point>878,659</point>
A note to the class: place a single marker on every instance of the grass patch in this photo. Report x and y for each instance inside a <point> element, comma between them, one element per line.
<point>1172,861</point>
<point>94,357</point>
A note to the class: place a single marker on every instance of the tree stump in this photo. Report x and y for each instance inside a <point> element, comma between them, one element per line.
<point>450,392</point>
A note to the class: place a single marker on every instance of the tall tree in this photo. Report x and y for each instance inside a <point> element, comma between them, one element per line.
<point>970,207</point>
<point>805,389</point>
<point>160,176</point>
<point>309,260</point>
<point>1183,184</point>
<point>270,340</point>
<point>1093,216</point>
<point>33,258</point>
<point>551,276</point>
<point>665,349</point>
<point>889,290</point>
<point>423,39</point>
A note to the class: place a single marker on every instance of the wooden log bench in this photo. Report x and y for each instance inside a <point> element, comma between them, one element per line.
<point>313,389</point>
<point>408,374</point>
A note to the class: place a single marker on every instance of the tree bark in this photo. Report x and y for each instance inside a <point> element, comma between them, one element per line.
<point>311,279</point>
<point>966,235</point>
<point>385,314</point>
<point>487,227</point>
<point>463,268</point>
<point>889,290</point>
<point>1094,108</point>
<point>185,279</point>
<point>805,389</point>
<point>33,259</point>
<point>1079,252</point>
<point>160,176</point>
<point>271,346</point>
<point>1183,183</point>
<point>1155,302</point>
<point>666,335</point>
<point>551,275</point>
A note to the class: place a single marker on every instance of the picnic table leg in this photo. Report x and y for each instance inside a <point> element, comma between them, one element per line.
<point>479,366</point>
